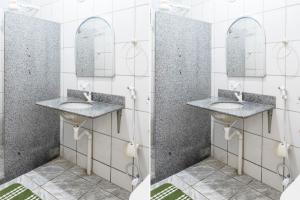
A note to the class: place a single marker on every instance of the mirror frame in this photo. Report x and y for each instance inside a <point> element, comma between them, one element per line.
<point>113,48</point>
<point>265,44</point>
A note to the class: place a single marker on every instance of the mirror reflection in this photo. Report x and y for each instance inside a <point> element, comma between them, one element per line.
<point>245,49</point>
<point>94,50</point>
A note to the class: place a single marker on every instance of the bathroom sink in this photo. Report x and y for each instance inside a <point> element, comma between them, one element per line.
<point>76,105</point>
<point>227,105</point>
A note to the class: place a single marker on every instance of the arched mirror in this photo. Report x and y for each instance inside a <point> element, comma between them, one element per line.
<point>94,51</point>
<point>246,49</point>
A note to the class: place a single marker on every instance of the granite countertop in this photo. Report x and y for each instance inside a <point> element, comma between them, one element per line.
<point>249,108</point>
<point>98,108</point>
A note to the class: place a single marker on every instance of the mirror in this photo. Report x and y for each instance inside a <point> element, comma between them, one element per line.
<point>94,48</point>
<point>246,49</point>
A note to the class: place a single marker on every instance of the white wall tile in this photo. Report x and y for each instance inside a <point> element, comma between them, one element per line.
<point>102,148</point>
<point>101,170</point>
<point>292,2</point>
<point>269,158</point>
<point>254,124</point>
<point>102,85</point>
<point>294,162</point>
<point>271,4</point>
<point>252,170</point>
<point>232,160</point>
<point>253,85</point>
<point>220,154</point>
<point>274,25</point>
<point>103,6</point>
<point>292,22</point>
<point>219,137</point>
<point>221,11</point>
<point>253,6</point>
<point>69,82</point>
<point>270,87</point>
<point>126,127</point>
<point>85,8</point>
<point>142,128</point>
<point>119,159</point>
<point>142,59</point>
<point>293,128</point>
<point>124,25</point>
<point>142,86</point>
<point>81,160</point>
<point>275,65</point>
<point>121,4</point>
<point>219,60</point>
<point>142,28</point>
<point>292,86</point>
<point>69,32</point>
<point>70,155</point>
<point>119,87</point>
<point>292,60</point>
<point>277,126</point>
<point>144,160</point>
<point>121,179</point>
<point>252,148</point>
<point>70,10</point>
<point>272,179</point>
<point>236,9</point>
<point>103,124</point>
<point>69,136</point>
<point>220,32</point>
<point>124,61</point>
<point>68,60</point>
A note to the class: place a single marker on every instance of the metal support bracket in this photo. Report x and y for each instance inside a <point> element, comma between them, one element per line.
<point>119,115</point>
<point>270,115</point>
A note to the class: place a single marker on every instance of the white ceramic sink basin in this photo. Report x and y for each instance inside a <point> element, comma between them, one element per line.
<point>75,105</point>
<point>227,105</point>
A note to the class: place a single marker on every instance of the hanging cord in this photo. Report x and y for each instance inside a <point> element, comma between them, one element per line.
<point>287,51</point>
<point>138,50</point>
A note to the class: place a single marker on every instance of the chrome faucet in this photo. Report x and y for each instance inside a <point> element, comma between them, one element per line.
<point>88,96</point>
<point>238,95</point>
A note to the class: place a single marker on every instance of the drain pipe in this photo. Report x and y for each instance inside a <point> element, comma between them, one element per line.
<point>229,136</point>
<point>78,136</point>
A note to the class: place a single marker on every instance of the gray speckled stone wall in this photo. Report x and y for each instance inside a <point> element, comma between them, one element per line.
<point>31,74</point>
<point>182,74</point>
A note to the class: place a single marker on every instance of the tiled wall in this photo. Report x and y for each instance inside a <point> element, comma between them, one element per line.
<point>130,20</point>
<point>280,20</point>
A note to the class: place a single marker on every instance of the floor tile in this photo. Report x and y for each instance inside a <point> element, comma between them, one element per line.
<point>45,173</point>
<point>114,189</point>
<point>68,186</point>
<point>232,172</point>
<point>194,194</point>
<point>249,194</point>
<point>265,189</point>
<point>61,163</point>
<point>24,180</point>
<point>195,173</point>
<point>98,194</point>
<point>218,186</point>
<point>82,173</point>
<point>216,164</point>
<point>174,180</point>
<point>43,194</point>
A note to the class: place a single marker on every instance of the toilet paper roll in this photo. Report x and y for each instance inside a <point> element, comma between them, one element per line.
<point>131,150</point>
<point>282,150</point>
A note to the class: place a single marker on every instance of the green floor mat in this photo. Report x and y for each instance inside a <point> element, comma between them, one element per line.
<point>17,192</point>
<point>168,192</point>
